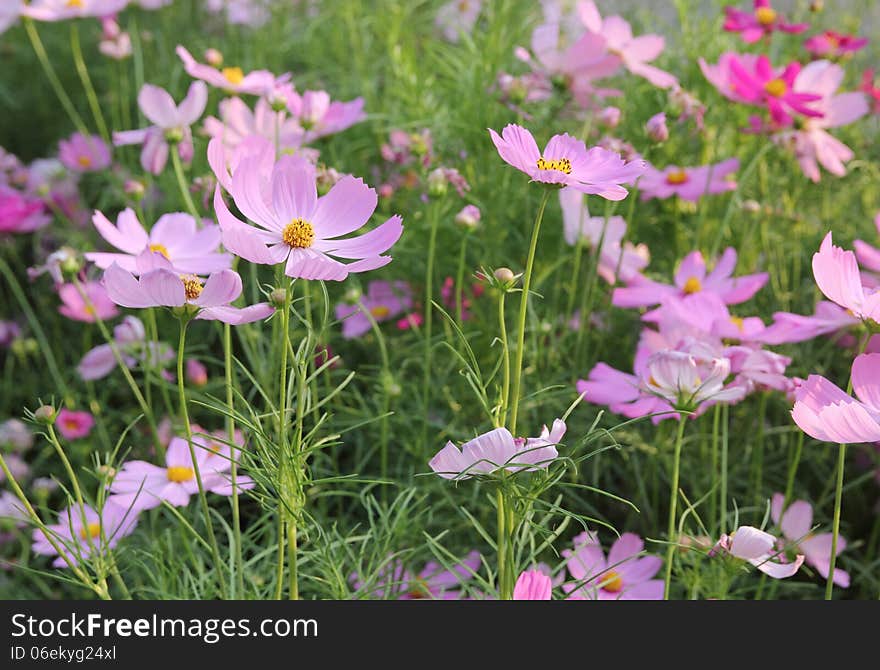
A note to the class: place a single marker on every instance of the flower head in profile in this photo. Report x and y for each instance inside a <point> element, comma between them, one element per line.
<point>230,79</point>
<point>796,524</point>
<point>95,305</point>
<point>81,533</point>
<point>171,125</point>
<point>299,229</point>
<point>74,425</point>
<point>832,44</point>
<point>163,287</point>
<point>625,574</point>
<point>566,161</point>
<point>84,153</point>
<point>20,212</point>
<point>688,183</point>
<point>533,585</point>
<point>175,236</point>
<point>383,300</point>
<point>761,22</point>
<point>498,450</point>
<point>433,582</point>
<point>129,337</point>
<point>61,10</point>
<point>319,116</point>
<point>457,18</point>
<point>836,272</point>
<point>758,548</point>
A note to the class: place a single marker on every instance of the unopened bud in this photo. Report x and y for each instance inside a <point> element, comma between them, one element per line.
<point>278,297</point>
<point>438,184</point>
<point>213,57</point>
<point>656,128</point>
<point>504,274</point>
<point>468,217</point>
<point>609,117</point>
<point>45,415</point>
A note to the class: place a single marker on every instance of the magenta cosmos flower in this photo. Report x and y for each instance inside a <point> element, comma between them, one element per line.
<point>21,213</point>
<point>836,272</point>
<point>98,306</point>
<point>623,575</point>
<point>796,523</point>
<point>758,548</point>
<point>163,287</point>
<point>688,183</point>
<point>832,44</point>
<point>298,228</point>
<point>61,10</point>
<point>692,276</point>
<point>176,236</point>
<point>84,153</point>
<point>171,125</point>
<point>433,582</point>
<point>81,538</point>
<point>141,485</point>
<point>231,79</point>
<point>498,450</point>
<point>764,20</point>
<point>567,162</point>
<point>74,425</point>
<point>825,412</point>
<point>533,585</point>
<point>757,82</point>
<point>384,301</point>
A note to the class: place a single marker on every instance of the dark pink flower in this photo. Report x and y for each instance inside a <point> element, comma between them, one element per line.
<point>764,20</point>
<point>831,44</point>
<point>74,425</point>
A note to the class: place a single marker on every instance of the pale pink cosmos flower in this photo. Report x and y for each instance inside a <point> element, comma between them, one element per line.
<point>163,287</point>
<point>176,236</point>
<point>196,372</point>
<point>12,510</point>
<point>457,18</point>
<point>469,217</point>
<point>21,213</point>
<point>298,228</point>
<point>828,319</point>
<point>825,412</point>
<point>61,10</point>
<point>836,272</point>
<point>318,116</point>
<point>566,161</point>
<point>18,467</point>
<point>634,53</point>
<point>432,582</point>
<point>688,183</point>
<point>82,533</point>
<point>84,153</point>
<point>9,13</point>
<point>131,340</point>
<point>623,575</point>
<point>763,21</point>
<point>74,425</point>
<point>231,79</point>
<point>758,548</point>
<point>171,125</point>
<point>616,258</point>
<point>533,585</point>
<point>832,44</point>
<point>384,301</point>
<point>796,524</point>
<point>115,43</point>
<point>98,305</point>
<point>686,380</point>
<point>498,450</point>
<point>238,122</point>
<point>692,276</point>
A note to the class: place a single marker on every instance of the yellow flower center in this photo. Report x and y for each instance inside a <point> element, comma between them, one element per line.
<point>737,321</point>
<point>765,15</point>
<point>677,177</point>
<point>380,311</point>
<point>162,249</point>
<point>612,582</point>
<point>419,590</point>
<point>234,75</point>
<point>179,474</point>
<point>75,3</point>
<point>192,286</point>
<point>559,164</point>
<point>776,87</point>
<point>84,161</point>
<point>298,234</point>
<point>692,285</point>
<point>90,310</point>
<point>90,531</point>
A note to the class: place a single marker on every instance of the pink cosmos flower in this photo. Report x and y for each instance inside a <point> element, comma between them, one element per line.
<point>171,125</point>
<point>533,585</point>
<point>74,425</point>
<point>130,338</point>
<point>433,582</point>
<point>163,287</point>
<point>689,183</point>
<point>869,88</point>
<point>615,256</point>
<point>61,10</point>
<point>836,272</point>
<point>759,83</point>
<point>831,44</point>
<point>196,372</point>
<point>115,43</point>
<point>757,547</point>
<point>12,510</point>
<point>175,236</point>
<point>99,305</point>
<point>567,162</point>
<point>457,18</point>
<point>686,380</point>
<point>469,217</point>
<point>84,153</point>
<point>20,213</point>
<point>237,122</point>
<point>319,117</point>
<point>15,434</point>
<point>721,75</point>
<point>828,319</point>
<point>9,13</point>
<point>796,524</point>
<point>384,300</point>
<point>623,575</point>
<point>81,538</point>
<point>231,79</point>
<point>498,450</point>
<point>298,228</point>
<point>693,277</point>
<point>141,485</point>
<point>634,53</point>
<point>752,26</point>
<point>825,412</point>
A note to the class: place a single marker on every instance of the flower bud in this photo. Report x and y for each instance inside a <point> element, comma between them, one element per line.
<point>504,275</point>
<point>656,128</point>
<point>196,372</point>
<point>173,135</point>
<point>213,57</point>
<point>609,117</point>
<point>438,184</point>
<point>352,295</point>
<point>134,188</point>
<point>278,297</point>
<point>468,217</point>
<point>45,415</point>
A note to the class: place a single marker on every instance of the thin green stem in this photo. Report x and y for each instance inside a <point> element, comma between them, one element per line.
<point>505,353</point>
<point>230,436</point>
<point>86,80</point>
<point>502,541</point>
<point>459,278</point>
<point>725,426</point>
<point>793,468</point>
<point>673,505</point>
<point>181,183</point>
<point>429,320</point>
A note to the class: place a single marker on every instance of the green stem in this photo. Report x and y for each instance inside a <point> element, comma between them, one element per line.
<point>181,183</point>
<point>792,469</point>
<point>230,436</point>
<point>503,539</point>
<point>86,80</point>
<point>523,309</point>
<point>429,320</point>
<point>725,425</point>
<point>284,457</point>
<point>673,504</point>
<point>459,278</point>
<point>505,352</point>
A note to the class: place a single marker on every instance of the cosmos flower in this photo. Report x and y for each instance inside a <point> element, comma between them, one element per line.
<point>433,582</point>
<point>533,585</point>
<point>384,301</point>
<point>623,575</point>
<point>457,18</point>
<point>831,44</point>
<point>318,116</point>
<point>20,213</point>
<point>74,425</point>
<point>96,304</point>
<point>762,22</point>
<point>688,183</point>
<point>84,153</point>
<point>61,10</point>
<point>82,532</point>
<point>758,548</point>
<point>130,339</point>
<point>836,272</point>
<point>231,79</point>
<point>238,122</point>
<point>567,162</point>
